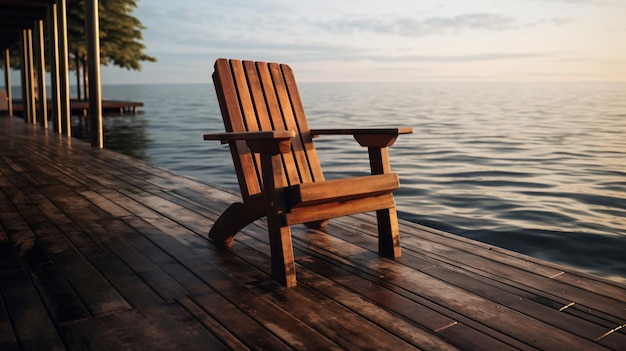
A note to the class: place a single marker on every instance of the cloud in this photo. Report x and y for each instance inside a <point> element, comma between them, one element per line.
<point>589,2</point>
<point>412,27</point>
<point>466,58</point>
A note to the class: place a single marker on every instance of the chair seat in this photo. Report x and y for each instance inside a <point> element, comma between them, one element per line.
<point>340,190</point>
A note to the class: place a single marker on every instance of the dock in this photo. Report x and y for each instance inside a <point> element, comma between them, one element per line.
<point>81,107</point>
<point>99,251</point>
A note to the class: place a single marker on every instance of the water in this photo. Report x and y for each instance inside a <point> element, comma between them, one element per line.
<point>538,168</point>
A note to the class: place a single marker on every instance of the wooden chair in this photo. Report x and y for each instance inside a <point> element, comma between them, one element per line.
<point>278,169</point>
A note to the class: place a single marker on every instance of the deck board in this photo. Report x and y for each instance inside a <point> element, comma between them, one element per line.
<point>101,251</point>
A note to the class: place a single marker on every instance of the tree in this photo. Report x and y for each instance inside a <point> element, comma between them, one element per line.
<point>120,38</point>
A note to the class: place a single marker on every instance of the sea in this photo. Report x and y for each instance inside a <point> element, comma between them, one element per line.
<point>538,168</point>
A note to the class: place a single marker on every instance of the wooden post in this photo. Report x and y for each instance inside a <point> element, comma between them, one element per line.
<point>23,72</point>
<point>93,58</point>
<point>79,90</point>
<point>53,30</point>
<point>7,80</point>
<point>85,76</point>
<point>64,67</point>
<point>40,64</point>
<point>32,88</point>
<point>28,95</point>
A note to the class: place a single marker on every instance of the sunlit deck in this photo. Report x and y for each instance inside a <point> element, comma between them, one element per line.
<point>102,251</point>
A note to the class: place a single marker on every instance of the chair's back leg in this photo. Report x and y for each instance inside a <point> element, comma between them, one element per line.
<point>320,225</point>
<point>388,233</point>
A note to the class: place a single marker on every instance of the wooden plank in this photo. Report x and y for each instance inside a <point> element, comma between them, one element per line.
<point>476,307</point>
<point>181,329</point>
<point>420,311</point>
<point>473,309</point>
<point>282,323</point>
<point>129,330</point>
<point>297,333</point>
<point>142,230</point>
<point>262,120</point>
<point>514,269</point>
<point>130,246</point>
<point>8,257</point>
<point>74,209</point>
<point>8,340</point>
<point>339,190</point>
<point>331,210</point>
<point>246,329</point>
<point>521,301</point>
<point>57,295</point>
<point>300,117</point>
<point>513,274</point>
<point>230,340</point>
<point>81,107</point>
<point>231,114</point>
<point>378,328</point>
<point>74,280</point>
<point>227,313</point>
<point>134,290</point>
<point>276,118</point>
<point>30,321</point>
<point>301,162</point>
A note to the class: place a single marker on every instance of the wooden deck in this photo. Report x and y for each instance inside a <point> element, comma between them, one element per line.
<point>81,107</point>
<point>101,251</point>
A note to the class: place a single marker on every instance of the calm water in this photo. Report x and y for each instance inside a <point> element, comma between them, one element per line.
<point>539,168</point>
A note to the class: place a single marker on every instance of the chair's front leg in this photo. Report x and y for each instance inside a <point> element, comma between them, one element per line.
<point>387,219</point>
<point>283,265</point>
<point>379,160</point>
<point>281,247</point>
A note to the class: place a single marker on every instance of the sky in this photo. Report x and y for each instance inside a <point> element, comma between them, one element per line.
<point>390,40</point>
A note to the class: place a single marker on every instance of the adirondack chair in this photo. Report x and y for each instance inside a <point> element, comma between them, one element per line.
<point>278,168</point>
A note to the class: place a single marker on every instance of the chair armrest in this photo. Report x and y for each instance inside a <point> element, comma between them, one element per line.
<point>273,142</point>
<point>369,137</point>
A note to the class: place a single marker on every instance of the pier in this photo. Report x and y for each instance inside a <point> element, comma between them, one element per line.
<point>102,251</point>
<point>81,107</point>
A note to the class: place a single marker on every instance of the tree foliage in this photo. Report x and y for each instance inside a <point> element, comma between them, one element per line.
<point>120,35</point>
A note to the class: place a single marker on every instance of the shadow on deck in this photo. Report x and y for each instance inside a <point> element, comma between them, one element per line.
<point>101,251</point>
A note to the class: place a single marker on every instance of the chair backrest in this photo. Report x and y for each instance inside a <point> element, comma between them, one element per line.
<point>261,96</point>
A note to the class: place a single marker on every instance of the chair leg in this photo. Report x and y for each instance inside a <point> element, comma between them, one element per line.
<point>388,233</point>
<point>283,265</point>
<point>235,217</point>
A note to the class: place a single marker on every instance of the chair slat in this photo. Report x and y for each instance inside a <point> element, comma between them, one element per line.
<point>276,117</point>
<point>233,121</point>
<point>248,110</point>
<point>306,138</point>
<point>340,190</point>
<point>256,91</point>
<point>284,99</point>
